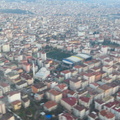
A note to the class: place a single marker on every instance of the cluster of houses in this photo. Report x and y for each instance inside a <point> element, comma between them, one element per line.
<point>88,90</point>
<point>85,90</point>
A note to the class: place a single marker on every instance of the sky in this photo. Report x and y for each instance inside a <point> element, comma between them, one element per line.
<point>89,1</point>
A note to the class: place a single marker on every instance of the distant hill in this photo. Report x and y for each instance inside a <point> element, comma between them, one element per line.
<point>15,11</point>
<point>20,0</point>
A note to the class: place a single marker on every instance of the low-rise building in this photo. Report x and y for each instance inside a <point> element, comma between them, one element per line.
<point>25,102</point>
<point>75,84</point>
<point>21,84</point>
<point>38,87</point>
<point>68,103</point>
<point>107,80</point>
<point>61,87</point>
<point>50,105</point>
<point>12,75</point>
<point>80,111</point>
<point>5,87</point>
<point>90,77</point>
<point>78,68</point>
<point>93,116</point>
<point>86,101</point>
<point>113,107</point>
<point>39,96</point>
<point>108,90</point>
<point>8,116</point>
<point>106,115</point>
<point>66,74</point>
<point>27,78</point>
<point>66,116</point>
<point>13,96</point>
<point>54,95</point>
<point>59,78</point>
<point>72,93</point>
<point>16,105</point>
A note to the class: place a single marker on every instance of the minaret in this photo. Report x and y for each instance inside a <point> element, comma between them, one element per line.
<point>33,69</point>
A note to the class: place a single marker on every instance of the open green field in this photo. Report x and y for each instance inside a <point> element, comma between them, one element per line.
<point>58,54</point>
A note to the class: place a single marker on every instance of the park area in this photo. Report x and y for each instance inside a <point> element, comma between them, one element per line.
<point>58,54</point>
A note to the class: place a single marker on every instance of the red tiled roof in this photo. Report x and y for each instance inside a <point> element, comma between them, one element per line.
<point>104,87</point>
<point>68,116</point>
<point>95,84</point>
<point>70,100</point>
<point>65,71</point>
<point>16,102</point>
<point>50,104</point>
<point>71,92</point>
<point>99,101</point>
<point>85,99</point>
<point>25,75</point>
<point>77,66</point>
<point>107,114</point>
<point>118,94</point>
<point>40,85</point>
<point>13,92</point>
<point>93,115</point>
<point>3,84</point>
<point>117,108</point>
<point>112,104</point>
<point>54,92</point>
<point>62,86</point>
<point>89,74</point>
<point>79,107</point>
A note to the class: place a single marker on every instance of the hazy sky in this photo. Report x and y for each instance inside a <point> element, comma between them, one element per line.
<point>89,1</point>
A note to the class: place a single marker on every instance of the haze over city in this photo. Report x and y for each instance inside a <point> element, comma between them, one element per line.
<point>60,60</point>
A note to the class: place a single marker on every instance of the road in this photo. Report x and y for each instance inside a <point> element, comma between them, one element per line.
<point>37,113</point>
<point>16,116</point>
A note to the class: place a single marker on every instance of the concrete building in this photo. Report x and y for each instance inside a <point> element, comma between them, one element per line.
<point>25,102</point>
<point>16,105</point>
<point>68,103</point>
<point>5,87</point>
<point>13,96</point>
<point>66,116</point>
<point>54,95</point>
<point>21,84</point>
<point>50,105</point>
<point>80,111</point>
<point>75,84</point>
<point>106,115</point>
<point>66,74</point>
